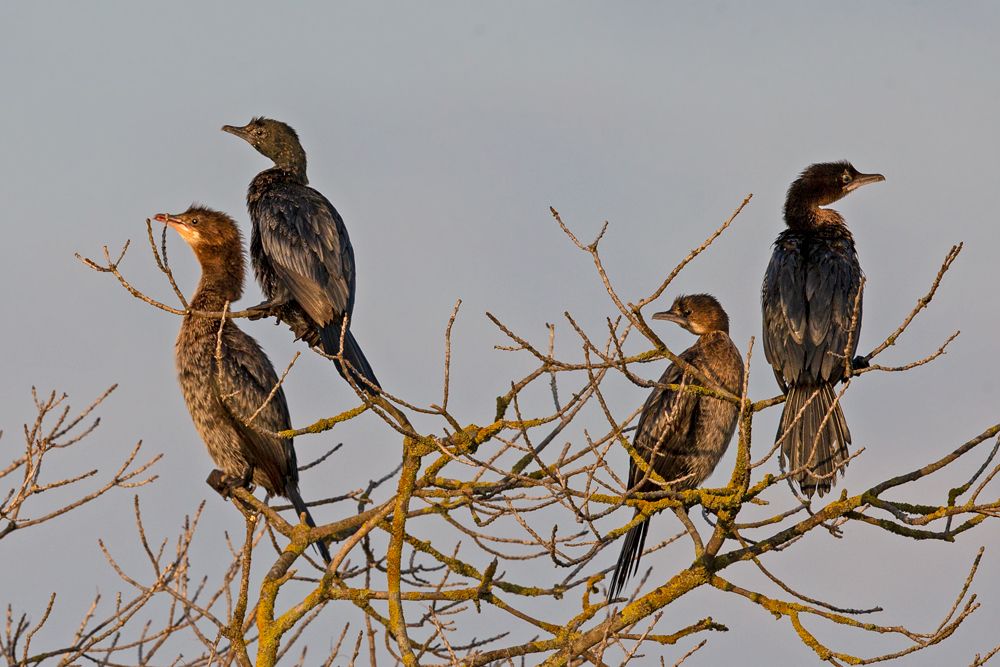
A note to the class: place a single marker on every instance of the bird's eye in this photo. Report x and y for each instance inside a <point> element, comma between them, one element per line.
<point>687,313</point>
<point>846,178</point>
<point>259,132</point>
<point>194,221</point>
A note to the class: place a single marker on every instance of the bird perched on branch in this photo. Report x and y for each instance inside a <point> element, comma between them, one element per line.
<point>221,393</point>
<point>811,294</point>
<point>301,254</point>
<point>683,435</point>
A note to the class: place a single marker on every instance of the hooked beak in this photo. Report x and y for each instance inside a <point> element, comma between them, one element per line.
<point>672,317</point>
<point>186,231</point>
<point>240,132</point>
<point>168,219</point>
<point>863,179</point>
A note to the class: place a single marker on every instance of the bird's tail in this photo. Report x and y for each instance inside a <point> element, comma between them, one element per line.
<point>361,370</point>
<point>815,437</point>
<point>628,559</point>
<point>292,491</point>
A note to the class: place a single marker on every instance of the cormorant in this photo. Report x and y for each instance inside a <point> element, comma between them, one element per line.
<point>808,299</point>
<point>246,376</point>
<point>684,435</point>
<point>301,254</point>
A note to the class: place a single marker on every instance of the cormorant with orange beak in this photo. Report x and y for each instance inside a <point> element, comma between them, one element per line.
<point>244,375</point>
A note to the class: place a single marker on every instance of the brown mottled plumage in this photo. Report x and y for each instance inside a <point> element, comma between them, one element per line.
<point>246,378</point>
<point>684,435</point>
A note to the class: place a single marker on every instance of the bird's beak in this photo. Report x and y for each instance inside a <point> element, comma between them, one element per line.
<point>673,317</point>
<point>168,219</point>
<point>186,232</point>
<point>863,179</point>
<point>240,132</point>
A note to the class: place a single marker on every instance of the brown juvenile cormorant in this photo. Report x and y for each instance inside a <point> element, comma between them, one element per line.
<point>807,299</point>
<point>301,254</point>
<point>246,376</point>
<point>684,435</point>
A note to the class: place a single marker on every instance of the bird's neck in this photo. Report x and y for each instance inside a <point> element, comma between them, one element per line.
<point>809,216</point>
<point>712,337</point>
<point>717,354</point>
<point>293,162</point>
<point>263,183</point>
<point>221,281</point>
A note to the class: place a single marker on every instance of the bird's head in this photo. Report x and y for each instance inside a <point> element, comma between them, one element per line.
<point>698,313</point>
<point>216,242</point>
<point>824,183</point>
<point>275,140</point>
<point>202,227</point>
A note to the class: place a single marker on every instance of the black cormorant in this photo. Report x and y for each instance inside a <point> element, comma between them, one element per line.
<point>301,254</point>
<point>808,300</point>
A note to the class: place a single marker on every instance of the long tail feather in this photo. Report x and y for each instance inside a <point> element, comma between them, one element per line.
<point>628,560</point>
<point>300,507</point>
<point>361,372</point>
<point>817,447</point>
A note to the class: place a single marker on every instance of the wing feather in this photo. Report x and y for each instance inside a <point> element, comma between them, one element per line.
<point>305,239</point>
<point>665,420</point>
<point>246,380</point>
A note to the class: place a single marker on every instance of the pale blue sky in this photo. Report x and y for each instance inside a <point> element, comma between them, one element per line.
<point>443,132</point>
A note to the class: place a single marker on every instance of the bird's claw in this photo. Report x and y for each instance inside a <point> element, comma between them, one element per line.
<point>258,313</point>
<point>219,481</point>
<point>225,484</point>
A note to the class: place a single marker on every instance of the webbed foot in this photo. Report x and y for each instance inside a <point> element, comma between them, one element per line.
<point>265,309</point>
<point>225,484</point>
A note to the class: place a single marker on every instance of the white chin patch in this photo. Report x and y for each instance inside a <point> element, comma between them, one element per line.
<point>187,233</point>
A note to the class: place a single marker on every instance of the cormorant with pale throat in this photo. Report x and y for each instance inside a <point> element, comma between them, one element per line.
<point>244,375</point>
<point>808,301</point>
<point>684,435</point>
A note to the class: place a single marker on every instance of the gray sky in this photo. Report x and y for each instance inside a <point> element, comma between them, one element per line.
<point>443,133</point>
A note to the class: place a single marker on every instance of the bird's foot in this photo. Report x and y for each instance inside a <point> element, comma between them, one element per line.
<point>225,484</point>
<point>860,362</point>
<point>264,309</point>
<point>221,482</point>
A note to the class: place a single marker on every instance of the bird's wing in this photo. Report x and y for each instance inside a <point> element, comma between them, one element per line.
<point>663,425</point>
<point>783,304</point>
<point>306,241</point>
<point>246,380</point>
<point>807,301</point>
<point>831,307</point>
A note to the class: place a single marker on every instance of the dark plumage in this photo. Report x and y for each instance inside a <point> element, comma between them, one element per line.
<point>246,376</point>
<point>807,300</point>
<point>684,435</point>
<point>301,254</point>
